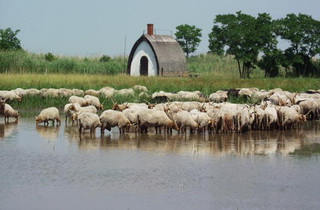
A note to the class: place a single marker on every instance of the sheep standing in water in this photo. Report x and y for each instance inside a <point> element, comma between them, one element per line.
<point>88,121</point>
<point>48,114</point>
<point>10,112</point>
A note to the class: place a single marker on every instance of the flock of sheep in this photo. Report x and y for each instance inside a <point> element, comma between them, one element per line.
<point>277,109</point>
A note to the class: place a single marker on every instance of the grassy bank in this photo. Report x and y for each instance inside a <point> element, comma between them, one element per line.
<point>206,83</point>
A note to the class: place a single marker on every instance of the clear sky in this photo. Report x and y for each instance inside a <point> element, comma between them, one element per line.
<point>100,27</point>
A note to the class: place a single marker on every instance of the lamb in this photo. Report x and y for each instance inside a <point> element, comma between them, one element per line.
<point>48,114</point>
<point>10,112</point>
<point>112,118</point>
<point>88,121</point>
<point>93,100</point>
<point>79,100</point>
<point>154,118</point>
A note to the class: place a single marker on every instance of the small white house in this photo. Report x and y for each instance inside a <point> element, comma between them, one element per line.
<point>156,55</point>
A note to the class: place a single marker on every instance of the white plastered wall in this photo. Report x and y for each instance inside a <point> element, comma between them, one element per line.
<point>144,49</point>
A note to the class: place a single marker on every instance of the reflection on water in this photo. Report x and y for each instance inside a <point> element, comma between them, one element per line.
<point>7,129</point>
<point>245,144</point>
<point>48,132</point>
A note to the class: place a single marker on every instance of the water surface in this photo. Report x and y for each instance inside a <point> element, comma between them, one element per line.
<point>54,168</point>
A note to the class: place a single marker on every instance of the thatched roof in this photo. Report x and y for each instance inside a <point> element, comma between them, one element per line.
<point>169,54</point>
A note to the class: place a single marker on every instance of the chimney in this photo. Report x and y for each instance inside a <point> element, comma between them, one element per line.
<point>150,29</point>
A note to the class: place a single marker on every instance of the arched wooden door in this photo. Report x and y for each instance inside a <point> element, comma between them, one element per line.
<point>144,66</point>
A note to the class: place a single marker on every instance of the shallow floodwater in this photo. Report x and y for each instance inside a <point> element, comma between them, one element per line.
<point>53,168</point>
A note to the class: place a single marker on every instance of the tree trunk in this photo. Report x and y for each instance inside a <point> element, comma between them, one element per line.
<point>239,66</point>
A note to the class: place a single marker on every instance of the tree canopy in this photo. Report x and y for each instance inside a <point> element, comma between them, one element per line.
<point>303,34</point>
<point>188,37</point>
<point>9,40</point>
<point>243,36</point>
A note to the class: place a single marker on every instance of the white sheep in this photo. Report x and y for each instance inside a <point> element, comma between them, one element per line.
<point>51,92</point>
<point>189,95</point>
<point>202,118</point>
<point>64,92</point>
<point>183,119</point>
<point>219,96</point>
<point>140,88</point>
<point>9,95</point>
<point>162,94</point>
<point>33,91</point>
<point>245,92</point>
<point>20,92</point>
<point>289,117</point>
<point>77,92</point>
<point>126,92</point>
<point>132,116</point>
<point>68,112</point>
<point>154,118</point>
<point>92,92</point>
<point>77,110</point>
<point>112,118</point>
<point>79,100</point>
<point>271,117</point>
<point>10,112</point>
<point>311,107</point>
<point>94,101</point>
<point>88,121</point>
<point>107,91</point>
<point>48,114</point>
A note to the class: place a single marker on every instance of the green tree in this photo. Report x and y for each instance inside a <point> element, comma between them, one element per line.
<point>243,36</point>
<point>271,63</point>
<point>188,37</point>
<point>303,33</point>
<point>105,58</point>
<point>9,40</point>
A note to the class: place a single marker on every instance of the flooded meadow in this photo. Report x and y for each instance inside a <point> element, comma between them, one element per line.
<point>54,167</point>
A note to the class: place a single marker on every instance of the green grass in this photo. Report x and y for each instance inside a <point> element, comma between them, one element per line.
<point>207,83</point>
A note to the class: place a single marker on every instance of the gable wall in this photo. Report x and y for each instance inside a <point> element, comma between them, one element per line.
<point>143,49</point>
